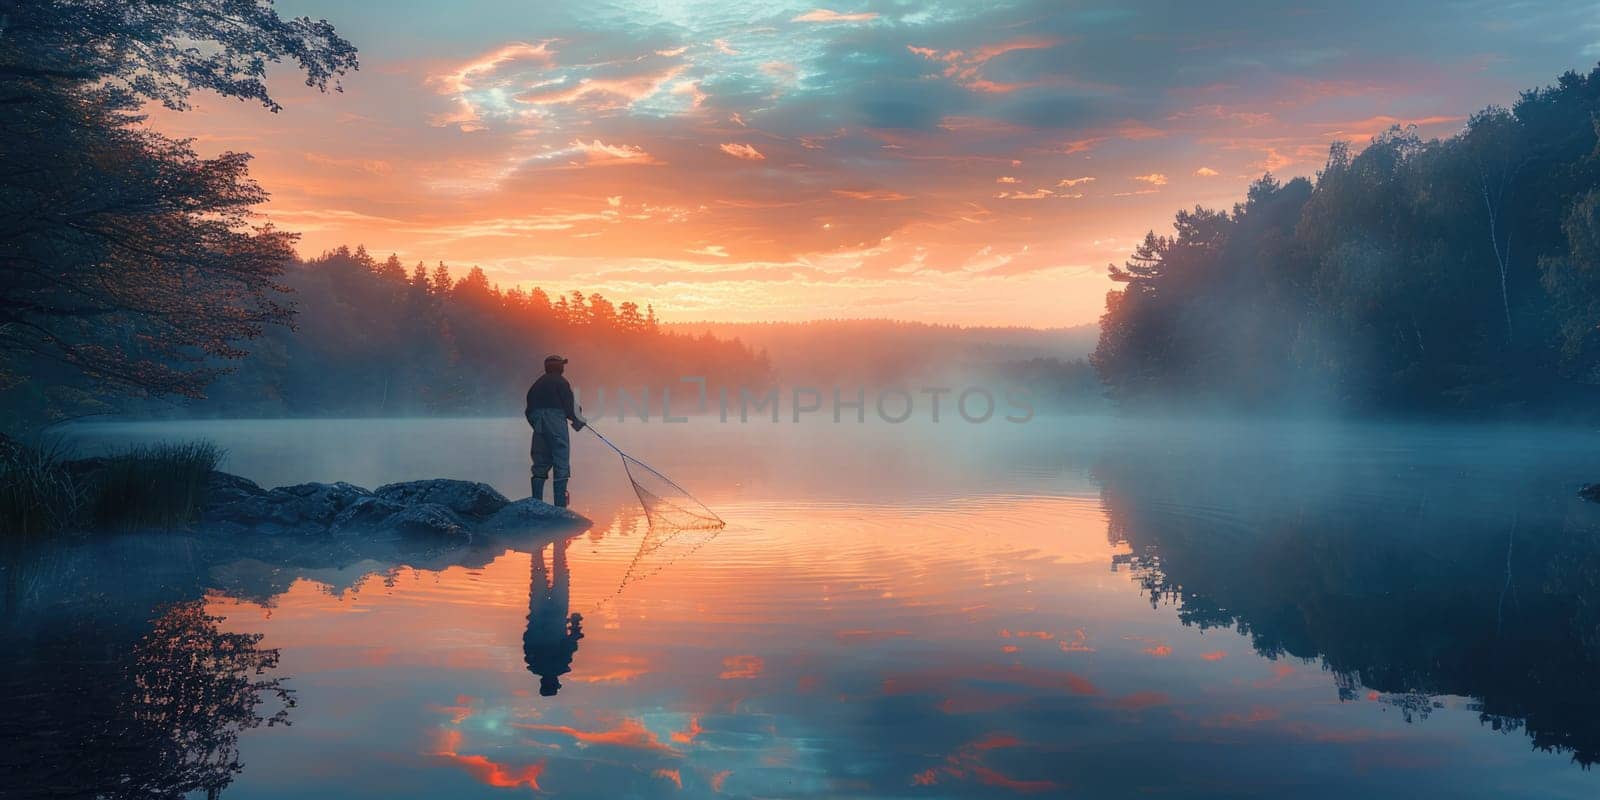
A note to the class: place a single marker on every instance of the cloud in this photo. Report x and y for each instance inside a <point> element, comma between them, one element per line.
<point>1206,172</point>
<point>1070,182</point>
<point>371,166</point>
<point>870,195</point>
<point>1079,145</point>
<point>743,151</point>
<point>715,250</point>
<point>1036,194</point>
<point>1154,179</point>
<point>466,76</point>
<point>965,67</point>
<point>827,15</point>
<point>601,154</point>
<point>1005,179</point>
<point>601,93</point>
<point>737,667</point>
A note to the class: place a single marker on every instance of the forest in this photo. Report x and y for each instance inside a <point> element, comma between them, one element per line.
<point>1458,276</point>
<point>373,337</point>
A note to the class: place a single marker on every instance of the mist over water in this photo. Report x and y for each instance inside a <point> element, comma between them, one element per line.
<point>1084,605</point>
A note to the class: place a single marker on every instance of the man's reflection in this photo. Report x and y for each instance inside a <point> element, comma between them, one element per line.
<point>552,635</point>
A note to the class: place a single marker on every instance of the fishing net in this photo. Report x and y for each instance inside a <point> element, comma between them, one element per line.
<point>667,506</point>
<point>676,523</point>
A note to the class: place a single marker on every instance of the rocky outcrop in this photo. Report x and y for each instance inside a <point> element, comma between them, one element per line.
<point>441,507</point>
<point>465,498</point>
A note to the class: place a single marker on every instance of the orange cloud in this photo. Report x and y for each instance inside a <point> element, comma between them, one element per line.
<point>629,733</point>
<point>1216,655</point>
<point>968,760</point>
<point>1079,145</point>
<point>1138,701</point>
<point>687,735</point>
<point>965,66</point>
<point>1079,685</point>
<point>718,778</point>
<point>463,78</point>
<point>1372,126</point>
<point>1154,179</point>
<point>1070,182</point>
<point>482,769</point>
<point>601,93</point>
<point>1079,643</point>
<point>601,154</point>
<point>1206,172</point>
<point>736,667</point>
<point>827,15</point>
<point>743,151</point>
<point>1037,194</point>
<point>671,775</point>
<point>870,195</point>
<point>371,166</point>
<point>1138,131</point>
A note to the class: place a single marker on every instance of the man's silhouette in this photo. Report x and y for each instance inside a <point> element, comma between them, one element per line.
<point>552,635</point>
<point>550,407</point>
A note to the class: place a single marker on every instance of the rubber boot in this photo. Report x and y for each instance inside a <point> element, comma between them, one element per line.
<point>537,487</point>
<point>560,498</point>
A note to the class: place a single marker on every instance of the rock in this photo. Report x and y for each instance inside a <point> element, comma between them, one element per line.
<point>304,507</point>
<point>1590,492</point>
<point>222,487</point>
<point>441,507</point>
<point>366,513</point>
<point>465,498</point>
<point>318,503</point>
<point>529,514</point>
<point>429,519</point>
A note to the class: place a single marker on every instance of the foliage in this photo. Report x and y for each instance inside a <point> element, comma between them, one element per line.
<point>115,709</point>
<point>153,486</point>
<point>375,338</point>
<point>160,485</point>
<point>1454,275</point>
<point>128,262</point>
<point>37,495</point>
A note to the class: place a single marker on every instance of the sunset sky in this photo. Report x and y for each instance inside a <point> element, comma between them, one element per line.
<point>975,163</point>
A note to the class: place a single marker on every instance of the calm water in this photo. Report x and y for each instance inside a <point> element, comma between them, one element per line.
<point>1075,607</point>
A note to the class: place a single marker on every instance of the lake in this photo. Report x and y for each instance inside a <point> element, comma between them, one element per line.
<point>1076,606</point>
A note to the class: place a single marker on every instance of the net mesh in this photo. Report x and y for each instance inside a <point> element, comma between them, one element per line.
<point>676,523</point>
<point>666,505</point>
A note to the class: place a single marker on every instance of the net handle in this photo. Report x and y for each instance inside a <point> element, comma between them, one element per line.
<point>652,470</point>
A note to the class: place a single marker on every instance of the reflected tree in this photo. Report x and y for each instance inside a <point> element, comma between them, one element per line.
<point>1413,594</point>
<point>91,716</point>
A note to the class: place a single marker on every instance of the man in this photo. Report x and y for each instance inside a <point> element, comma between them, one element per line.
<point>550,406</point>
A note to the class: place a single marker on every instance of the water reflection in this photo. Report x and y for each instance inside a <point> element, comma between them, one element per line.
<point>101,711</point>
<point>118,681</point>
<point>1114,612</point>
<point>1409,577</point>
<point>551,639</point>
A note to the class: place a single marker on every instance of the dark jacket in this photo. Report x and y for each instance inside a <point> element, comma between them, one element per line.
<point>551,391</point>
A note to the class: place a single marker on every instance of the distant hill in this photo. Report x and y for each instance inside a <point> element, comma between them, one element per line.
<point>873,352</point>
